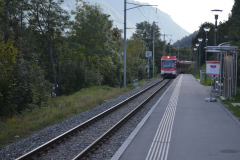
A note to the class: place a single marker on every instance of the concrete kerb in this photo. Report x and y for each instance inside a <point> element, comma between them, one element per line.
<point>228,112</point>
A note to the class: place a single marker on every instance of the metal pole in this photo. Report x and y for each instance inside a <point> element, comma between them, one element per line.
<point>125,16</point>
<point>164,45</point>
<point>153,44</point>
<point>206,57</point>
<point>178,51</point>
<point>194,56</point>
<point>196,60</point>
<point>148,66</point>
<point>215,40</point>
<point>215,44</point>
<point>220,77</point>
<point>199,58</point>
<point>236,74</point>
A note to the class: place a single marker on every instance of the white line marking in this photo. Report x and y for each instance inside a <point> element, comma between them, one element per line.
<point>161,142</point>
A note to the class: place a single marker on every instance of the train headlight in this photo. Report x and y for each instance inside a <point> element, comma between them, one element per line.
<point>174,72</point>
<point>162,72</point>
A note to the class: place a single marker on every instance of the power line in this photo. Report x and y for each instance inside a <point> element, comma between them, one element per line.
<point>118,21</point>
<point>159,20</point>
<point>141,12</point>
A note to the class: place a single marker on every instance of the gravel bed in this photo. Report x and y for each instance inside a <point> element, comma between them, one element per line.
<point>109,148</point>
<point>19,148</point>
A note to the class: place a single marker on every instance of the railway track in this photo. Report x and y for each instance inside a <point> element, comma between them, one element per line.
<point>84,139</point>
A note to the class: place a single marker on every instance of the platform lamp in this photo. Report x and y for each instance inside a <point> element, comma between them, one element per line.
<point>206,29</point>
<point>200,41</point>
<point>195,59</point>
<point>216,12</point>
<point>197,45</point>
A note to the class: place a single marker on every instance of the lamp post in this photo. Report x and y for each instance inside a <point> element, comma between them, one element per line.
<point>206,29</point>
<point>195,59</point>
<point>153,44</point>
<point>215,12</point>
<point>197,44</point>
<point>200,41</point>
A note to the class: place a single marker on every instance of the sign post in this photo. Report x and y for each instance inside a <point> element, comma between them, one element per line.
<point>212,69</point>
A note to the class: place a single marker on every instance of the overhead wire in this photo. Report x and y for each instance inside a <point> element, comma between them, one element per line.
<point>148,15</point>
<point>141,12</point>
<point>145,16</point>
<point>123,23</point>
<point>159,20</point>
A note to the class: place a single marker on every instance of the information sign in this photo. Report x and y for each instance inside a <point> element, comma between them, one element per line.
<point>148,53</point>
<point>212,67</point>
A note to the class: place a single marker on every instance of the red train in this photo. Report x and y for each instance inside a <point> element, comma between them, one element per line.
<point>171,67</point>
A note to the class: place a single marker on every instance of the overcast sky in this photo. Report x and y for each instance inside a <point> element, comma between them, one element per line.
<point>190,14</point>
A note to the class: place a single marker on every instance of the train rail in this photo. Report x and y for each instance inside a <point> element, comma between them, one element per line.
<point>83,139</point>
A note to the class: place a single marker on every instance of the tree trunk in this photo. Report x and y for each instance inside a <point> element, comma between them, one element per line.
<point>52,64</point>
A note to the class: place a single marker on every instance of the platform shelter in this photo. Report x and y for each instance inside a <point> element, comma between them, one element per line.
<point>227,56</point>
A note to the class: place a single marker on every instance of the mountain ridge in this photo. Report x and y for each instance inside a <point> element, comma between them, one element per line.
<point>116,11</point>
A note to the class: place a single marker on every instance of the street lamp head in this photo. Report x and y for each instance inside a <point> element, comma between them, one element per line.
<point>199,40</point>
<point>197,44</point>
<point>216,12</point>
<point>195,49</point>
<point>206,29</point>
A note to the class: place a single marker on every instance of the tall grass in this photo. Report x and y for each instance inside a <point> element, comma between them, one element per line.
<point>60,108</point>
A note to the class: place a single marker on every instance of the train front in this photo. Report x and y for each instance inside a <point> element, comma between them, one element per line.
<point>168,66</point>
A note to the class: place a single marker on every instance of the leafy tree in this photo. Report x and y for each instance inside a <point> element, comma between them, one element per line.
<point>47,17</point>
<point>144,30</point>
<point>136,64</point>
<point>233,30</point>
<point>234,23</point>
<point>12,14</point>
<point>93,31</point>
<point>7,60</point>
<point>222,32</point>
<point>22,83</point>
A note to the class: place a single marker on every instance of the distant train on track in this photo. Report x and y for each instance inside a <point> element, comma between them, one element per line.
<point>171,67</point>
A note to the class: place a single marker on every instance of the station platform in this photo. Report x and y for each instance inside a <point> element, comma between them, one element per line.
<point>182,126</point>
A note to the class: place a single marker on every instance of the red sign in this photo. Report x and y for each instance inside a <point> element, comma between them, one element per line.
<point>213,66</point>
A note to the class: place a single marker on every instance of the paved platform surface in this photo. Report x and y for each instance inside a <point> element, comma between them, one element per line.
<point>182,126</point>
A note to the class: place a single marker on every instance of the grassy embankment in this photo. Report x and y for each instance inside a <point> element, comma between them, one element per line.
<point>60,108</point>
<point>226,103</point>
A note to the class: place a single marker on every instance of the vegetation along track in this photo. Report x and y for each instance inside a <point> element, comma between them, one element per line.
<point>88,136</point>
